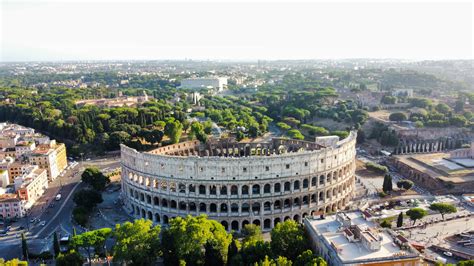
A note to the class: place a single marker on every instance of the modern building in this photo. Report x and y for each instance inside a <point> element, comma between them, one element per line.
<point>351,239</point>
<point>218,84</point>
<point>403,93</point>
<point>32,185</point>
<point>51,157</point>
<point>240,183</point>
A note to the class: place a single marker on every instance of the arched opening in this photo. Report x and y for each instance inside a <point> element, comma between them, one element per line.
<point>296,185</point>
<point>313,198</point>
<point>181,188</point>
<point>157,218</point>
<point>245,190</point>
<point>165,219</point>
<point>277,188</point>
<point>164,203</point>
<point>143,213</point>
<point>202,190</point>
<point>321,196</point>
<point>213,190</point>
<point>234,190</point>
<point>297,218</point>
<point>192,188</point>
<point>150,215</point>
<point>314,180</point>
<point>213,207</point>
<point>321,180</point>
<point>305,200</point>
<point>156,201</point>
<point>224,208</point>
<point>182,206</point>
<point>255,190</point>
<point>142,197</point>
<point>244,223</point>
<point>287,186</point>
<point>304,215</point>
<point>267,224</point>
<point>305,183</point>
<point>234,208</point>
<point>287,218</point>
<point>202,207</point>
<point>277,205</point>
<point>286,203</point>
<point>148,199</point>
<point>267,189</point>
<point>276,221</point>
<point>226,225</point>
<point>245,207</point>
<point>235,225</point>
<point>192,206</point>
<point>267,206</point>
<point>223,190</point>
<point>173,204</point>
<point>256,222</point>
<point>256,208</point>
<point>296,202</point>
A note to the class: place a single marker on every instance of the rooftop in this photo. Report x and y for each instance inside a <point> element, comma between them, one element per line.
<point>334,233</point>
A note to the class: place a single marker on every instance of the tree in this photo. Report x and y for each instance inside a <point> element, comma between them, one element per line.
<point>385,224</point>
<point>24,246</point>
<point>295,134</point>
<point>87,198</point>
<point>56,249</point>
<point>81,215</point>
<point>443,108</point>
<point>405,184</point>
<point>398,117</point>
<point>186,240</point>
<point>173,130</point>
<point>387,183</point>
<point>137,243</point>
<point>72,258</point>
<point>416,214</point>
<point>288,239</point>
<point>118,137</point>
<point>92,239</point>
<point>400,220</point>
<point>443,208</point>
<point>307,258</point>
<point>95,178</point>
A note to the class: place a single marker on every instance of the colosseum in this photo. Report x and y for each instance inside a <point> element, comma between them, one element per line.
<point>240,183</point>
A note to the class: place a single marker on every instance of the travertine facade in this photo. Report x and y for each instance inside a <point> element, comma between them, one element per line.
<point>239,183</point>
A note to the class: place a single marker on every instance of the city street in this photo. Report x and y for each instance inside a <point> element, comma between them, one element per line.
<point>56,215</point>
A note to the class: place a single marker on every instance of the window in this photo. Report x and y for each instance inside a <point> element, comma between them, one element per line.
<point>287,166</point>
<point>223,170</point>
<point>244,169</point>
<point>267,168</point>
<point>305,163</point>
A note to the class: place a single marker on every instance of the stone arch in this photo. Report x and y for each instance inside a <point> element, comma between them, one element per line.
<point>267,224</point>
<point>157,218</point>
<point>192,188</point>
<point>223,208</point>
<point>286,203</point>
<point>173,204</point>
<point>296,202</point>
<point>321,179</point>
<point>212,190</point>
<point>182,206</point>
<point>314,181</point>
<point>267,206</point>
<point>202,190</point>
<point>305,200</point>
<point>181,188</point>
<point>244,223</point>
<point>245,190</point>
<point>164,203</point>
<point>213,207</point>
<point>234,225</point>
<point>296,185</point>
<point>297,218</point>
<point>256,189</point>
<point>234,190</point>
<point>256,207</point>
<point>276,221</point>
<point>223,190</point>
<point>150,215</point>
<point>165,219</point>
<point>234,208</point>
<point>277,188</point>
<point>267,189</point>
<point>256,222</point>
<point>277,205</point>
<point>202,207</point>
<point>192,206</point>
<point>287,218</point>
<point>156,201</point>
<point>287,186</point>
<point>305,183</point>
<point>225,224</point>
<point>143,213</point>
<point>245,207</point>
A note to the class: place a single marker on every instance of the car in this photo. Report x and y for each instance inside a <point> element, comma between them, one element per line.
<point>447,253</point>
<point>43,223</point>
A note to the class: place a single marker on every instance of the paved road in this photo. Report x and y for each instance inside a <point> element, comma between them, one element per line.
<point>57,218</point>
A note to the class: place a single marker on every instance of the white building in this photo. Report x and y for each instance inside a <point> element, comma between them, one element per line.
<point>351,239</point>
<point>4,180</point>
<point>403,93</point>
<point>218,84</point>
<point>31,185</point>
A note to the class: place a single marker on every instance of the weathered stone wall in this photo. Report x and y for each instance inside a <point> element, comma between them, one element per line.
<point>263,188</point>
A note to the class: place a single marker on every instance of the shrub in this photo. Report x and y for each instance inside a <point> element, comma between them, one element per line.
<point>376,167</point>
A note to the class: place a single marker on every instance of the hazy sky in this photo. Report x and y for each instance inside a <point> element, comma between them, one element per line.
<point>72,30</point>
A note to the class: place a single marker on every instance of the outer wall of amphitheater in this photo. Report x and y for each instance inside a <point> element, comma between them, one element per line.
<point>263,188</point>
